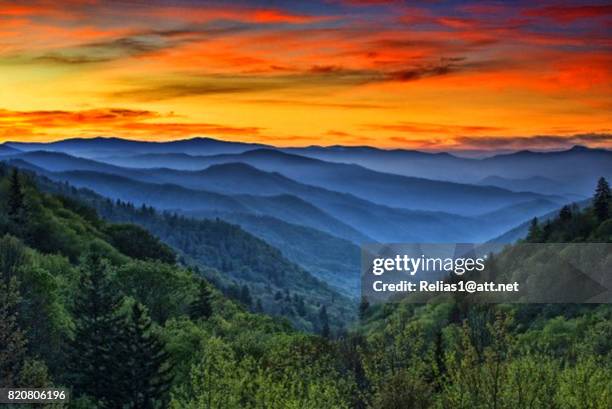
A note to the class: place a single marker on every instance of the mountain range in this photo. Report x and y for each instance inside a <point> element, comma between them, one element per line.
<point>378,187</point>
<point>98,147</point>
<point>317,205</point>
<point>241,187</point>
<point>575,168</point>
<point>576,178</point>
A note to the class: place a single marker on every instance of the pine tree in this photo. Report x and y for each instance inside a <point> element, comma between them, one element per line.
<point>565,214</point>
<point>439,356</point>
<point>324,320</point>
<point>301,307</point>
<point>546,231</point>
<point>245,295</point>
<point>201,307</point>
<point>15,196</point>
<point>259,307</point>
<point>601,200</point>
<point>364,306</point>
<point>534,230</point>
<point>93,351</point>
<point>12,338</point>
<point>144,371</point>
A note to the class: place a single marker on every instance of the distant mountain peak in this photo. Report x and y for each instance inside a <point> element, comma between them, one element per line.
<point>232,167</point>
<point>274,153</point>
<point>582,148</point>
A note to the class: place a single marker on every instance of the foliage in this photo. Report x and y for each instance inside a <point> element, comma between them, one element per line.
<point>12,338</point>
<point>128,331</point>
<point>226,255</point>
<point>138,243</point>
<point>601,200</point>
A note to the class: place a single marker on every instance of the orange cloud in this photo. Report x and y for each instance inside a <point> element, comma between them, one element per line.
<point>444,129</point>
<point>106,121</point>
<point>543,142</point>
<point>295,70</point>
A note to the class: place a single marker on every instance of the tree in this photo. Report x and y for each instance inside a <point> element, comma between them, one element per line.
<point>216,379</point>
<point>15,196</point>
<point>138,243</point>
<point>364,306</point>
<point>92,358</point>
<point>601,200</point>
<point>12,338</point>
<point>245,295</point>
<point>324,321</point>
<point>565,214</point>
<point>259,307</point>
<point>144,372</point>
<point>534,230</point>
<point>12,257</point>
<point>201,306</point>
<point>162,288</point>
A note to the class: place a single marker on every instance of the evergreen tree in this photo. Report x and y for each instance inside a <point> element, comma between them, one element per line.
<point>259,307</point>
<point>245,295</point>
<point>201,307</point>
<point>12,338</point>
<point>12,257</point>
<point>93,351</point>
<point>546,231</point>
<point>324,321</point>
<point>301,307</point>
<point>364,306</point>
<point>534,230</point>
<point>601,200</point>
<point>565,214</point>
<point>143,366</point>
<point>15,196</point>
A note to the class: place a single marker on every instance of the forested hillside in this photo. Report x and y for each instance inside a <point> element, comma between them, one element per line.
<point>332,259</point>
<point>125,327</point>
<point>465,355</point>
<point>113,318</point>
<point>244,267</point>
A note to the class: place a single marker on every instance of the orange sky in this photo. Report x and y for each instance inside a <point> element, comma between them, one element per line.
<point>427,75</point>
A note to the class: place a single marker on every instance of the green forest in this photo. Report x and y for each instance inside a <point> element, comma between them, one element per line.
<point>149,315</point>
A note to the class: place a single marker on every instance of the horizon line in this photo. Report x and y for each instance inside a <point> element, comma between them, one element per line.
<point>450,150</point>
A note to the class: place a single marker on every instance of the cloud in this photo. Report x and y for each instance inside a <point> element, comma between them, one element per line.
<point>428,128</point>
<point>419,143</point>
<point>216,84</point>
<point>112,49</point>
<point>370,2</point>
<point>150,89</point>
<point>309,103</point>
<point>534,142</point>
<point>444,67</point>
<point>108,121</point>
<point>279,16</point>
<point>568,14</point>
<point>478,62</point>
<point>56,118</point>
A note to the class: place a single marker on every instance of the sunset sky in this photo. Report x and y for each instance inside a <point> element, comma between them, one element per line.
<point>419,74</point>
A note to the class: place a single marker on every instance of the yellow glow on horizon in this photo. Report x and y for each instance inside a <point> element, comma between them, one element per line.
<point>282,87</point>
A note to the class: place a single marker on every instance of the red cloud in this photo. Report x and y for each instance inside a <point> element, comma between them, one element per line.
<point>278,16</point>
<point>570,13</point>
<point>125,122</point>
